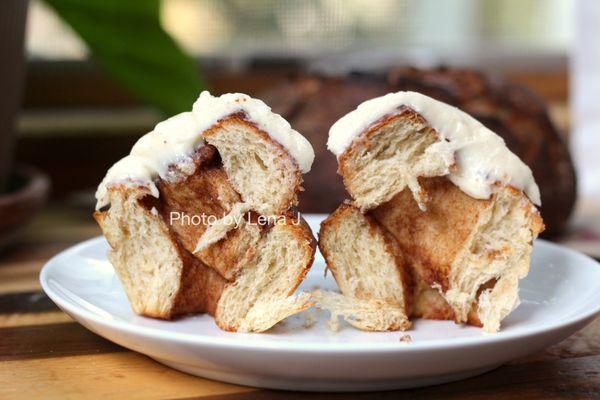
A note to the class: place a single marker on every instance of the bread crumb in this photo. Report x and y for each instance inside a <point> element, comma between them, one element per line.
<point>309,319</point>
<point>334,322</point>
<point>406,338</point>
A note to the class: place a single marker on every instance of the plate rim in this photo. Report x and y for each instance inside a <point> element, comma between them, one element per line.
<point>235,343</point>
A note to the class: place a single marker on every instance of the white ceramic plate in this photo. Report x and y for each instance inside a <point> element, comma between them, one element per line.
<point>559,297</point>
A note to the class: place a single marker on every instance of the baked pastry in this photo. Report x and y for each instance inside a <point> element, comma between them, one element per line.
<point>312,103</point>
<point>199,216</point>
<point>458,204</point>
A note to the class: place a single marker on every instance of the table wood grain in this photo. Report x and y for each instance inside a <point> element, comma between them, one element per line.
<point>45,354</point>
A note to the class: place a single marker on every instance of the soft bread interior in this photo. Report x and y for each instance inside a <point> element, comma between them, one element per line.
<point>262,294</point>
<point>187,204</point>
<point>365,314</point>
<point>472,251</point>
<point>365,263</point>
<point>261,170</point>
<point>246,278</point>
<point>151,277</point>
<point>497,253</point>
<point>159,278</point>
<point>389,157</point>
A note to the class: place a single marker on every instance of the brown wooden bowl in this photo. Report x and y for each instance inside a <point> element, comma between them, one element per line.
<point>27,194</point>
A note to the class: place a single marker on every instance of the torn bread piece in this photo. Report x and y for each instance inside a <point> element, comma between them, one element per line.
<point>161,278</point>
<point>188,205</point>
<point>389,157</point>
<point>265,175</point>
<point>388,142</point>
<point>365,261</point>
<point>263,157</point>
<point>364,314</point>
<point>472,251</point>
<point>459,204</point>
<point>263,292</point>
<point>156,205</point>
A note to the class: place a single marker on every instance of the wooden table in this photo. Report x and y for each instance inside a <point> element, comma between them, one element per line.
<point>45,354</point>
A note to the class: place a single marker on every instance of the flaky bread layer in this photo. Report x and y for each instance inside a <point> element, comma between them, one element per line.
<point>365,261</point>
<point>370,314</point>
<point>164,280</point>
<point>472,251</point>
<point>262,293</point>
<point>391,155</point>
<point>161,279</point>
<point>261,170</point>
<point>368,265</point>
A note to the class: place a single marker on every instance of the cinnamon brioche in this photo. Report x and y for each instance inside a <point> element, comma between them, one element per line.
<point>457,203</point>
<point>206,173</point>
<point>313,102</point>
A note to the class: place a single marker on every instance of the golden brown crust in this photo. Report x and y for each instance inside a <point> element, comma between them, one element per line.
<point>285,157</point>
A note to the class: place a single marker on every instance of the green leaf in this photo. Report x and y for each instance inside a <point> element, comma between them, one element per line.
<point>126,38</point>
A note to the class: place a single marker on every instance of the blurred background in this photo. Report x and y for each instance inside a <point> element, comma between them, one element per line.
<point>82,81</point>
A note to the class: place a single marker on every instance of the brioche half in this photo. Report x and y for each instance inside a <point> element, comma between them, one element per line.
<point>476,282</point>
<point>456,202</point>
<point>200,216</point>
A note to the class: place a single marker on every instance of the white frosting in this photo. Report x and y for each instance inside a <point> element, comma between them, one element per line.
<point>173,142</point>
<point>209,109</point>
<point>482,156</point>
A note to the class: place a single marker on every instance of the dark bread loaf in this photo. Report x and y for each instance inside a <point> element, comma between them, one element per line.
<point>313,103</point>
